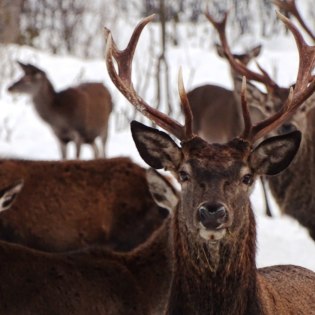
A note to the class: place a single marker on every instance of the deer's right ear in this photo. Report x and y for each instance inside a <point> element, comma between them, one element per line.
<point>8,195</point>
<point>156,147</point>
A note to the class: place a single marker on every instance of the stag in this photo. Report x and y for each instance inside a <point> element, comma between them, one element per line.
<point>66,205</point>
<point>293,188</point>
<point>79,114</point>
<point>91,281</point>
<point>213,229</point>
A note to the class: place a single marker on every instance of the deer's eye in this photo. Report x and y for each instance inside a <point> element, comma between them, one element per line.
<point>248,179</point>
<point>183,176</point>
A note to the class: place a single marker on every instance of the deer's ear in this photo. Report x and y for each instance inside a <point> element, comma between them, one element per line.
<point>275,154</point>
<point>8,195</point>
<point>220,50</point>
<point>255,52</point>
<point>156,147</point>
<point>163,193</point>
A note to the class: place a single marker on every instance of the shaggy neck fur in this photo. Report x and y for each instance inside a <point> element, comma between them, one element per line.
<point>214,278</point>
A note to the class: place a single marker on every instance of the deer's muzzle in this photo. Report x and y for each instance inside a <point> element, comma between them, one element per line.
<point>212,216</point>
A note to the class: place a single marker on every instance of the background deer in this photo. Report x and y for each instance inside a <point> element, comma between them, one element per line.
<point>71,204</point>
<point>213,229</point>
<point>79,114</point>
<point>216,110</point>
<point>293,188</point>
<point>91,281</point>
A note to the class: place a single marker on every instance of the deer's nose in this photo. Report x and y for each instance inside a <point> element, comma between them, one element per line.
<point>212,215</point>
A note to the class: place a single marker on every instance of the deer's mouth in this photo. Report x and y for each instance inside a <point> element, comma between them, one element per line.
<point>213,235</point>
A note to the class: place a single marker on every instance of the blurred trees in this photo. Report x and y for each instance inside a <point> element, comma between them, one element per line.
<point>75,26</point>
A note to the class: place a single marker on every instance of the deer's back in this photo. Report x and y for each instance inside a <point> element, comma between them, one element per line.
<point>43,284</point>
<point>287,289</point>
<point>215,112</point>
<point>85,108</point>
<point>66,205</point>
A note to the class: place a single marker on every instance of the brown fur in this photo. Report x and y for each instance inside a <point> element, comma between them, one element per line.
<point>78,114</point>
<point>94,281</point>
<point>67,205</point>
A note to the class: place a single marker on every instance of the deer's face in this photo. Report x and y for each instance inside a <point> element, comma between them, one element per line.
<point>216,180</point>
<point>31,82</point>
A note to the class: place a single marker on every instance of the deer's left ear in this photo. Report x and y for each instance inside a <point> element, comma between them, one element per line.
<point>156,147</point>
<point>275,154</point>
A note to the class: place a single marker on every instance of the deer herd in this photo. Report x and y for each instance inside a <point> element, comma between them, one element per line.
<point>107,236</point>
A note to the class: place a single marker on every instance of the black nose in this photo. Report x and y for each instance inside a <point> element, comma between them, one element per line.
<point>211,216</point>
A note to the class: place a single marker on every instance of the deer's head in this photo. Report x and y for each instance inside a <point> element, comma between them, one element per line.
<point>31,82</point>
<point>215,179</point>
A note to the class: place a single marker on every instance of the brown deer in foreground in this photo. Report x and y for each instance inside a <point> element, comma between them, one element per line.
<point>79,114</point>
<point>293,188</point>
<point>93,281</point>
<point>66,205</point>
<point>213,230</point>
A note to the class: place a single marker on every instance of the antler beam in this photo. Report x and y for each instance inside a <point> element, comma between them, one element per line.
<point>123,82</point>
<point>289,6</point>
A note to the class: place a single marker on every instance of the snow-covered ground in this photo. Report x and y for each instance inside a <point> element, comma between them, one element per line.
<point>281,240</point>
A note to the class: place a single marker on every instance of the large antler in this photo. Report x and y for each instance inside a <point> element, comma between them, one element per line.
<point>289,6</point>
<point>123,82</point>
<point>304,87</point>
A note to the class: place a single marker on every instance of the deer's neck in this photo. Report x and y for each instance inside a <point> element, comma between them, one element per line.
<point>152,265</point>
<point>44,99</point>
<point>214,279</point>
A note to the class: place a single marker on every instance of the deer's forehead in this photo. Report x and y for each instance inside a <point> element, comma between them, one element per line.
<point>201,154</point>
<point>208,170</point>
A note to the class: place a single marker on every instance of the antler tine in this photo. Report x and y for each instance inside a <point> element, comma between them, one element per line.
<point>304,87</point>
<point>123,80</point>
<point>246,116</point>
<point>306,53</point>
<point>185,106</point>
<point>237,65</point>
<point>289,6</point>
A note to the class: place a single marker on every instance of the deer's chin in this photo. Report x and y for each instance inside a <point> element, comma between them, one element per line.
<point>212,235</point>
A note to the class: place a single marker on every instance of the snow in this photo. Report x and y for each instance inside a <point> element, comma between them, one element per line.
<point>281,240</point>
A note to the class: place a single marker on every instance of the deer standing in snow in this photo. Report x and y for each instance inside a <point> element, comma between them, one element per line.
<point>79,114</point>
